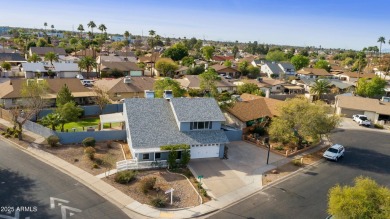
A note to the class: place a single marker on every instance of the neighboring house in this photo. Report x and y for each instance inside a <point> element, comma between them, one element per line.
<point>115,58</point>
<point>271,69</point>
<point>342,87</point>
<point>10,91</point>
<point>117,38</point>
<point>182,70</point>
<point>86,52</point>
<point>353,76</point>
<point>128,87</point>
<point>12,58</point>
<point>152,123</point>
<point>193,82</point>
<point>250,110</point>
<point>41,51</point>
<point>313,73</point>
<point>127,68</point>
<point>265,84</point>
<point>222,58</point>
<point>374,109</point>
<point>58,69</point>
<point>224,70</point>
<point>287,68</point>
<point>257,63</point>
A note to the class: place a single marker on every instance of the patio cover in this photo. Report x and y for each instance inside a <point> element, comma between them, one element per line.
<point>111,118</point>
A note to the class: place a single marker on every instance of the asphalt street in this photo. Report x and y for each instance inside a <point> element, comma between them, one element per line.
<point>32,189</point>
<point>304,195</point>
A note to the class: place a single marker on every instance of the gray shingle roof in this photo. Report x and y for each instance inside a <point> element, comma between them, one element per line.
<point>197,109</point>
<point>152,124</point>
<point>335,82</point>
<point>287,65</point>
<point>274,67</point>
<point>12,57</point>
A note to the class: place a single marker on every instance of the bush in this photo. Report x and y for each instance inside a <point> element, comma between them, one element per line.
<point>125,177</point>
<point>378,126</point>
<point>3,133</point>
<point>90,152</point>
<point>279,148</point>
<point>7,135</point>
<point>89,142</point>
<point>95,166</point>
<point>16,135</point>
<point>53,140</point>
<point>148,184</point>
<point>296,163</point>
<point>259,130</point>
<point>204,192</point>
<point>158,202</point>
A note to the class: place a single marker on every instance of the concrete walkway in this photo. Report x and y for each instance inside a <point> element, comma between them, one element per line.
<point>131,207</point>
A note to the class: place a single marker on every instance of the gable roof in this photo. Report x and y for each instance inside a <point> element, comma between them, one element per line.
<point>43,50</point>
<point>286,65</point>
<point>59,66</point>
<point>222,58</point>
<point>361,103</point>
<point>137,85</point>
<point>222,68</point>
<point>334,82</point>
<point>361,75</point>
<point>152,123</point>
<point>274,67</point>
<point>272,104</point>
<point>196,109</point>
<point>12,88</point>
<point>193,81</point>
<point>33,67</point>
<point>12,57</point>
<point>314,71</point>
<point>122,66</point>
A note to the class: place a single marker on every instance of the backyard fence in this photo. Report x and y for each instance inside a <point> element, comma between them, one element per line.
<point>78,137</point>
<point>38,129</point>
<point>92,110</point>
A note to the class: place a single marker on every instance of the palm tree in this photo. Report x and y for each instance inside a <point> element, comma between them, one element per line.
<point>127,35</point>
<point>52,29</point>
<point>87,63</point>
<point>320,86</point>
<point>102,28</point>
<point>81,29</point>
<point>45,24</point>
<point>51,56</point>
<point>91,25</point>
<point>380,41</point>
<point>34,58</point>
<point>3,40</point>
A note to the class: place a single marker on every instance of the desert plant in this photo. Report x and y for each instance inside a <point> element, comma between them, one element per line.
<point>7,135</point>
<point>296,163</point>
<point>148,184</point>
<point>158,202</point>
<point>90,152</point>
<point>53,140</point>
<point>125,177</point>
<point>89,142</point>
<point>204,192</point>
<point>95,166</point>
<point>378,126</point>
<point>3,133</point>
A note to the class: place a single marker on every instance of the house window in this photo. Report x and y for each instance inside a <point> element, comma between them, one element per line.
<point>145,156</point>
<point>200,125</point>
<point>178,155</point>
<point>157,155</point>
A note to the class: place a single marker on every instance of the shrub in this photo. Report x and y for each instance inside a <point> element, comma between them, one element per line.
<point>378,126</point>
<point>7,135</point>
<point>259,130</point>
<point>125,177</point>
<point>95,166</point>
<point>158,202</point>
<point>53,140</point>
<point>296,163</point>
<point>185,158</point>
<point>172,159</point>
<point>89,142</point>
<point>16,135</point>
<point>3,133</point>
<point>204,192</point>
<point>148,184</point>
<point>90,152</point>
<point>279,148</point>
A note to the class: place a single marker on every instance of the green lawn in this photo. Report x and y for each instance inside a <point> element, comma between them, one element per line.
<point>86,122</point>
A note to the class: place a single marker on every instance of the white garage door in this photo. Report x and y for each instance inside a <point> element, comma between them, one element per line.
<point>204,151</point>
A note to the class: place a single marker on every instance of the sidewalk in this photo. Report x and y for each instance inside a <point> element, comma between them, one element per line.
<point>131,207</point>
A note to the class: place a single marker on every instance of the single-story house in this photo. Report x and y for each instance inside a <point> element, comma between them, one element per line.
<point>225,70</point>
<point>10,91</point>
<point>251,109</point>
<point>155,122</point>
<point>313,73</point>
<point>128,87</point>
<point>222,58</point>
<point>115,58</point>
<point>12,58</point>
<point>86,52</point>
<point>374,109</point>
<point>59,69</point>
<point>42,51</point>
<point>182,70</point>
<point>265,84</point>
<point>342,87</point>
<point>353,76</point>
<point>193,82</point>
<point>127,68</point>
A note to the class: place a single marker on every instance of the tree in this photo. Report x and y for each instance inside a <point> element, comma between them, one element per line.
<point>166,67</point>
<point>45,24</point>
<point>235,51</point>
<point>32,93</point>
<point>196,70</point>
<point>253,72</point>
<point>51,56</point>
<point>91,25</point>
<point>168,84</point>
<point>380,41</point>
<point>6,66</point>
<point>52,120</point>
<point>176,52</point>
<point>188,61</point>
<point>243,68</point>
<point>101,98</point>
<point>81,29</point>
<point>366,199</point>
<point>102,28</point>
<point>64,95</point>
<point>320,87</point>
<point>52,28</point>
<point>322,64</point>
<point>228,63</point>
<point>300,61</point>
<point>87,63</point>
<point>41,43</point>
<point>374,87</point>
<point>249,88</point>
<point>208,81</point>
<point>208,52</point>
<point>34,58</point>
<point>68,112</point>
<point>293,124</point>
<point>276,56</point>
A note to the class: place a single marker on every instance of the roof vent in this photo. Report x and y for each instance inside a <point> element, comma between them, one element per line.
<point>168,94</point>
<point>149,94</point>
<point>127,80</point>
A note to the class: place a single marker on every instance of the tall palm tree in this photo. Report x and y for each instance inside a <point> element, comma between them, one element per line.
<point>45,24</point>
<point>380,41</point>
<point>81,29</point>
<point>51,56</point>
<point>3,40</point>
<point>102,28</point>
<point>320,86</point>
<point>52,29</point>
<point>127,35</point>
<point>87,63</point>
<point>91,25</point>
<point>34,58</point>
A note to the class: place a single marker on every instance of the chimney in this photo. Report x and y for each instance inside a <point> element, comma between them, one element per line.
<point>149,94</point>
<point>267,93</point>
<point>168,94</point>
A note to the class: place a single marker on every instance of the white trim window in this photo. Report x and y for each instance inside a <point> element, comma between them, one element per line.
<point>201,125</point>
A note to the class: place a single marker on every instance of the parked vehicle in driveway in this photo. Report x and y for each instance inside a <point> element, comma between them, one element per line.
<point>361,120</point>
<point>335,152</point>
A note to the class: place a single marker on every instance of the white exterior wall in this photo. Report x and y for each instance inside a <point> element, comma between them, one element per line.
<point>233,121</point>
<point>371,116</point>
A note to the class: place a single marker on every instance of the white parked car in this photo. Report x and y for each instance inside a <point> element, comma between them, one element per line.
<point>361,120</point>
<point>335,152</point>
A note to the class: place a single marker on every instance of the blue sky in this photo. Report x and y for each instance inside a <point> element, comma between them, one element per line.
<point>346,24</point>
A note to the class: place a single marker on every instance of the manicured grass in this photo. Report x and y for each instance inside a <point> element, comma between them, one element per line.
<point>86,123</point>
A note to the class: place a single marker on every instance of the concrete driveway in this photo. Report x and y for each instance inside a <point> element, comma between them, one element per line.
<point>244,166</point>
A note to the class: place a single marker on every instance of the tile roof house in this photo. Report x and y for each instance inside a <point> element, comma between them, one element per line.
<point>152,123</point>
<point>224,70</point>
<point>127,68</point>
<point>193,82</point>
<point>251,109</point>
<point>222,58</point>
<point>120,88</point>
<point>10,91</point>
<point>374,109</point>
<point>313,73</point>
